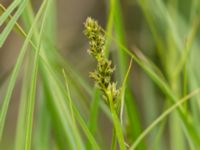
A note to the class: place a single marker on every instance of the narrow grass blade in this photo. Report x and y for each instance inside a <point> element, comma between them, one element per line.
<point>9,10</point>
<point>17,27</point>
<point>87,132</point>
<point>43,133</point>
<point>12,22</point>
<point>14,74</point>
<point>20,135</point>
<point>83,125</point>
<point>162,116</point>
<point>31,96</point>
<point>187,48</point>
<point>165,88</point>
<point>71,107</point>
<point>123,92</point>
<point>93,118</point>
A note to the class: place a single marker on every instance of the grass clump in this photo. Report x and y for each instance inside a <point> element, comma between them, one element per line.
<point>61,115</point>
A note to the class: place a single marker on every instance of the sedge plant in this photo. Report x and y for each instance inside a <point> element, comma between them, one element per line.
<point>58,107</point>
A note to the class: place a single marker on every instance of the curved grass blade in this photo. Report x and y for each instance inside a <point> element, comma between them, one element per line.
<point>162,116</point>
<point>123,92</point>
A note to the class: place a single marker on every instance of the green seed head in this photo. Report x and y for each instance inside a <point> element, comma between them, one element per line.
<point>102,74</point>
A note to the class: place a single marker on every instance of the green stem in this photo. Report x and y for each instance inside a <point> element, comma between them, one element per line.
<point>114,140</point>
<point>116,122</point>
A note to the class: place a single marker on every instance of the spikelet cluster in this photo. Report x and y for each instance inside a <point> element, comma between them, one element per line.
<point>102,74</point>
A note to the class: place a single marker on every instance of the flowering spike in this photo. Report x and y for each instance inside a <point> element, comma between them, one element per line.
<point>102,74</point>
